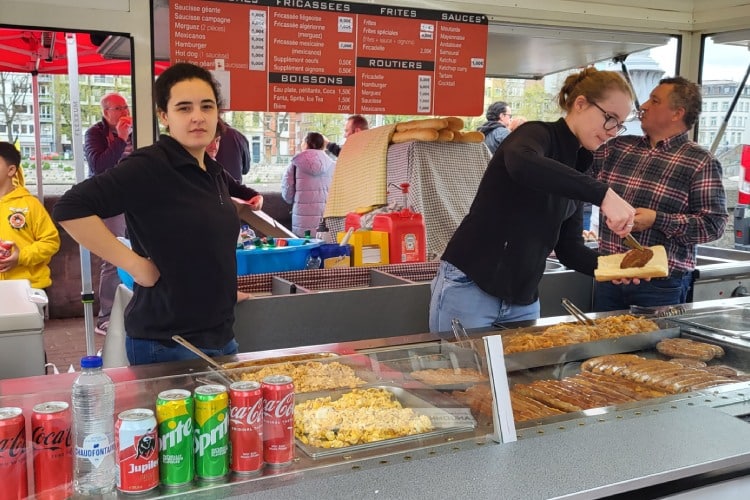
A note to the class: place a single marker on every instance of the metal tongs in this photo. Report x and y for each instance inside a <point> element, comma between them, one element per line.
<point>632,242</point>
<point>216,367</point>
<point>579,315</point>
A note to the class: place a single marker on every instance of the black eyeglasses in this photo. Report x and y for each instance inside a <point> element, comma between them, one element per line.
<point>118,108</point>
<point>507,114</point>
<point>611,122</point>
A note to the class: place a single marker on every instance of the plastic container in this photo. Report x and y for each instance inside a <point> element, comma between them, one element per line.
<point>93,403</point>
<point>407,240</point>
<point>369,248</point>
<point>125,278</point>
<point>292,257</point>
<point>334,255</point>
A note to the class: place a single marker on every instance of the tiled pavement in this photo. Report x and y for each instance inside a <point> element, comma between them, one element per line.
<point>65,342</point>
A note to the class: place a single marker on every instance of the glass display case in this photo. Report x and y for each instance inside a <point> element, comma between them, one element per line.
<point>375,403</point>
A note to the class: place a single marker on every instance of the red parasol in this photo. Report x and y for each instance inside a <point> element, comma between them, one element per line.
<point>43,51</point>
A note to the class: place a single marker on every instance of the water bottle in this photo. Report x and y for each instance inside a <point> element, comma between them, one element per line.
<point>323,233</point>
<point>93,400</point>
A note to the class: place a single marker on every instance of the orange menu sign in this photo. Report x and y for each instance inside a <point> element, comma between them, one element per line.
<point>334,57</point>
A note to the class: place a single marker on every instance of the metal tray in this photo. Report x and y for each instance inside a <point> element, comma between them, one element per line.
<point>733,322</point>
<point>292,358</point>
<point>443,421</point>
<point>585,350</point>
<point>235,374</point>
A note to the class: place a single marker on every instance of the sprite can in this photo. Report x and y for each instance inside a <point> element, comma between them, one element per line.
<point>174,416</point>
<point>211,431</point>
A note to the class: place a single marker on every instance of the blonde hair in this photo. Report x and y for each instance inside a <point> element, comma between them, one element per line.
<point>592,84</point>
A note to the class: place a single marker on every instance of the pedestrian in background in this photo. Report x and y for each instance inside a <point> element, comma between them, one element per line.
<point>234,153</point>
<point>25,226</point>
<point>105,144</point>
<point>354,124</point>
<point>305,184</point>
<point>495,129</point>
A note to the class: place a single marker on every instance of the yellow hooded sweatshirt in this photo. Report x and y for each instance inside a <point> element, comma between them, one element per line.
<point>25,222</point>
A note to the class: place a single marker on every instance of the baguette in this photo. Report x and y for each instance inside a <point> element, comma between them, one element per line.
<point>454,123</point>
<point>608,267</point>
<point>433,123</point>
<point>445,134</point>
<point>473,136</point>
<point>421,134</point>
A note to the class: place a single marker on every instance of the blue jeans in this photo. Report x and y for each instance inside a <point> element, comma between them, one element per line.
<point>454,295</point>
<point>144,351</point>
<point>657,292</point>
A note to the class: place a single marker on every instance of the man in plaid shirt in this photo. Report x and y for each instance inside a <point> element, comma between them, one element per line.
<point>676,188</point>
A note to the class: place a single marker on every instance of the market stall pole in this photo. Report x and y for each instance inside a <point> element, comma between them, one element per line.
<point>87,291</point>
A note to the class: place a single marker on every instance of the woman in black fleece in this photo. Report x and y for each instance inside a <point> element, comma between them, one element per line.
<point>181,221</point>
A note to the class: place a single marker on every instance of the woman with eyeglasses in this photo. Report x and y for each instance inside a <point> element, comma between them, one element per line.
<point>529,204</point>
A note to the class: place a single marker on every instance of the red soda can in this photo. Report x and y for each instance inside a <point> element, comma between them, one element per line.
<point>13,453</point>
<point>246,427</point>
<point>137,451</point>
<point>52,447</point>
<point>278,420</point>
<point>6,248</point>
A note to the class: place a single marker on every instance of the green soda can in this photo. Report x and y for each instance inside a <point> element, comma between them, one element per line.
<point>211,431</point>
<point>174,416</point>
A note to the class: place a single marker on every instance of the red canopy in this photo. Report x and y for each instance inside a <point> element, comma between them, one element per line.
<point>27,50</point>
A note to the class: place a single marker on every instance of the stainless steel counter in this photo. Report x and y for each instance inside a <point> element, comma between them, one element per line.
<point>596,453</point>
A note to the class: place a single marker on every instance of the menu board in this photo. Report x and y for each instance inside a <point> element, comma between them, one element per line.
<point>321,56</point>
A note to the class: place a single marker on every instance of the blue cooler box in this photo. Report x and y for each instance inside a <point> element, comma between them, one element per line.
<point>292,257</point>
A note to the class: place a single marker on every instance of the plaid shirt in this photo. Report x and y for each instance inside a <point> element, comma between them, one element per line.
<point>678,179</point>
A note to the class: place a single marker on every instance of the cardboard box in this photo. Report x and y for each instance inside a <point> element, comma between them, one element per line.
<point>261,221</point>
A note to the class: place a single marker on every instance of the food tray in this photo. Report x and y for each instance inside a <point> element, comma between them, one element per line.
<point>359,370</point>
<point>292,358</point>
<point>733,322</point>
<point>443,421</point>
<point>585,350</point>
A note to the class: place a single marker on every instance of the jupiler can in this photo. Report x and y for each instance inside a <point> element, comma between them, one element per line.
<point>13,453</point>
<point>211,431</point>
<point>246,427</point>
<point>278,420</point>
<point>174,415</point>
<point>137,451</point>
<point>52,448</point>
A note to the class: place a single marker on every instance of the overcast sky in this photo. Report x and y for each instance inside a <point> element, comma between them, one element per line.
<point>721,62</point>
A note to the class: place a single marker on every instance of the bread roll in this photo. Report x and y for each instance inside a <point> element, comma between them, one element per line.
<point>417,134</point>
<point>454,123</point>
<point>445,134</point>
<point>473,136</point>
<point>433,123</point>
<point>608,267</point>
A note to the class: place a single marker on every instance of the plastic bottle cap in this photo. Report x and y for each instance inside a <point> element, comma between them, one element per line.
<point>91,362</point>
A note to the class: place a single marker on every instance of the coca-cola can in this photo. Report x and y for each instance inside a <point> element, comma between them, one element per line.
<point>13,453</point>
<point>246,427</point>
<point>52,447</point>
<point>137,451</point>
<point>278,420</point>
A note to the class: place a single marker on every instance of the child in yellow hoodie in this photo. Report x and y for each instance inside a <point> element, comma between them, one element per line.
<point>25,223</point>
